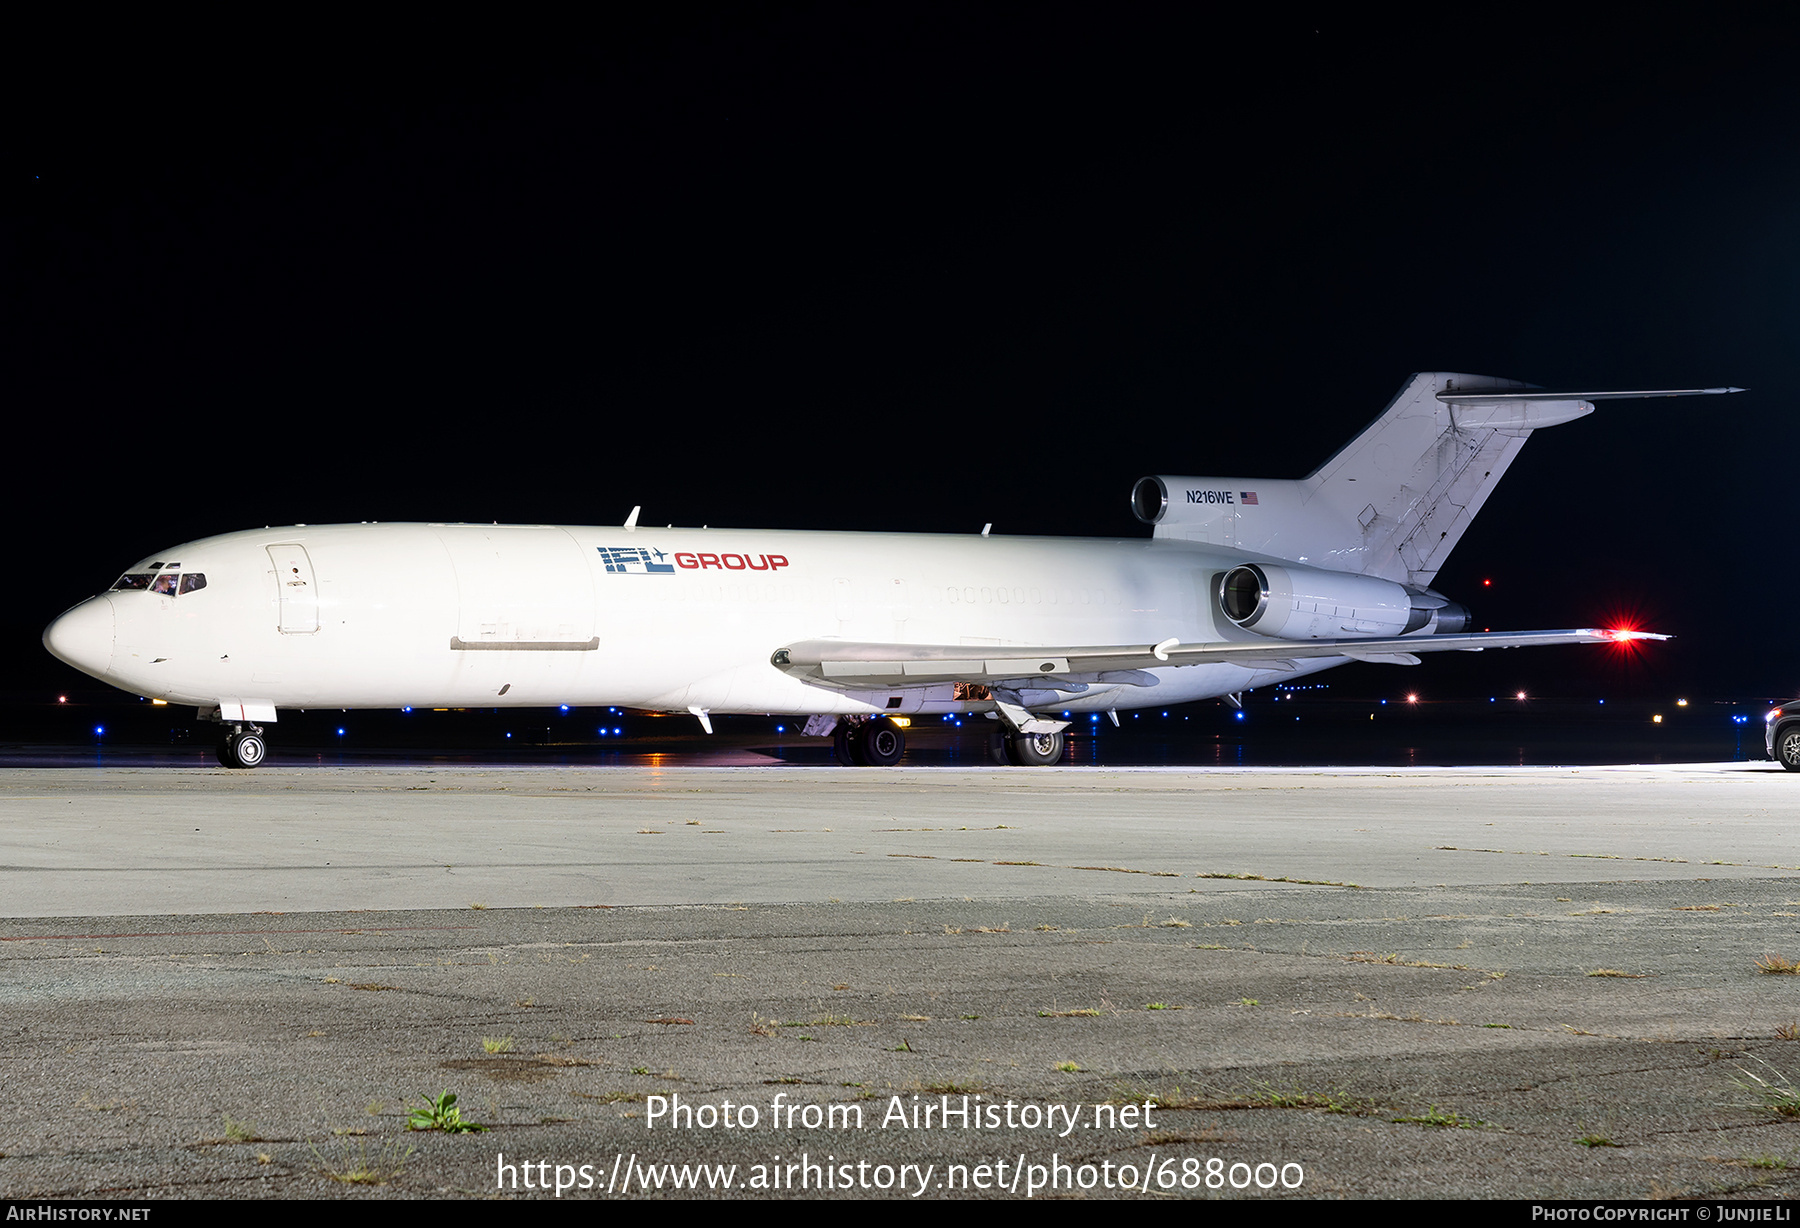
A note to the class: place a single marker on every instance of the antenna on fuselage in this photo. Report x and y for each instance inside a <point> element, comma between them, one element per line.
<point>631,520</point>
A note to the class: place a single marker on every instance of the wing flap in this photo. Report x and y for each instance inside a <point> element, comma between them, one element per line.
<point>851,665</point>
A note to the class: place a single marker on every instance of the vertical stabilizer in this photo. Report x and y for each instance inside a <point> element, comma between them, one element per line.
<point>1395,500</point>
<point>1415,478</point>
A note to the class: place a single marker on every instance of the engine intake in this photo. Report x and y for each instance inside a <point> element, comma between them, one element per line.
<point>1310,603</point>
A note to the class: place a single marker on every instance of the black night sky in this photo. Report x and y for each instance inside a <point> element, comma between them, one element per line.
<point>913,267</point>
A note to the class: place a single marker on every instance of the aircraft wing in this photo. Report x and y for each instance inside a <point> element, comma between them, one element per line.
<point>852,665</point>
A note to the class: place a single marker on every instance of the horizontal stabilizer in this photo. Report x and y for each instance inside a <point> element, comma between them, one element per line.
<point>849,665</point>
<point>1452,396</point>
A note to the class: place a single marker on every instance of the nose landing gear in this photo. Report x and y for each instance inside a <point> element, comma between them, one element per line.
<point>242,748</point>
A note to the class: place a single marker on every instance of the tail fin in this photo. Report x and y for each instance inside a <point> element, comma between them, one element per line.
<point>1395,500</point>
<point>1415,478</point>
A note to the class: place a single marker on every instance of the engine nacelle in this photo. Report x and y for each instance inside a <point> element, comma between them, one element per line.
<point>1264,515</point>
<point>1290,602</point>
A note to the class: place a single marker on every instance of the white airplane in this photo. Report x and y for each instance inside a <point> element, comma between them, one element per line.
<point>1245,582</point>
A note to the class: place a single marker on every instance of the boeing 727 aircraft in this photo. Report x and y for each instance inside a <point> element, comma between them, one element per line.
<point>1244,582</point>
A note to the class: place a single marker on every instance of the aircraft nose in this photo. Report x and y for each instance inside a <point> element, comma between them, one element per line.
<point>83,637</point>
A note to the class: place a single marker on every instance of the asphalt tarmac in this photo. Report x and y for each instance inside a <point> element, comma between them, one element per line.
<point>1469,982</point>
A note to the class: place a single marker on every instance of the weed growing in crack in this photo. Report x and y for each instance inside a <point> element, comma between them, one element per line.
<point>1333,1100</point>
<point>443,1115</point>
<point>361,1168</point>
<point>1442,1120</point>
<point>241,1131</point>
<point>1773,1090</point>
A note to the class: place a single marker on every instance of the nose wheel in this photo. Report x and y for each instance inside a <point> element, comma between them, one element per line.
<point>244,749</point>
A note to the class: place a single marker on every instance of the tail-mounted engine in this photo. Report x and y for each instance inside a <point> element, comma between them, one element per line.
<point>1305,603</point>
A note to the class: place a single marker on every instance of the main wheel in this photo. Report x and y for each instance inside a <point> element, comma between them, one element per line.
<point>882,743</point>
<point>997,748</point>
<point>1034,749</point>
<point>1787,748</point>
<point>243,750</point>
<point>846,744</point>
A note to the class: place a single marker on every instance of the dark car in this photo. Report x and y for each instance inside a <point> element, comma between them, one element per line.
<point>1783,735</point>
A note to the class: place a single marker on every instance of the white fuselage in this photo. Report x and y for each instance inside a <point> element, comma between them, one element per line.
<point>392,615</point>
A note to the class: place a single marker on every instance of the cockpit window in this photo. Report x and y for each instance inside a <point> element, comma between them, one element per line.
<point>169,583</point>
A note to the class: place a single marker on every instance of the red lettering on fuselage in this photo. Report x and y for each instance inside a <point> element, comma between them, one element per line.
<point>732,562</point>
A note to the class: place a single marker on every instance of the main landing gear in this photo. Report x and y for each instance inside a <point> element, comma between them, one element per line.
<point>868,743</point>
<point>1009,748</point>
<point>242,748</point>
<point>879,742</point>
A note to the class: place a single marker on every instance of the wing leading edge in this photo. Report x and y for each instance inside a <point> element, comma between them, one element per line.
<point>852,665</point>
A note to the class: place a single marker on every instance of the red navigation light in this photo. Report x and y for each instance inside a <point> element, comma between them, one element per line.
<point>1626,637</point>
<point>1487,584</point>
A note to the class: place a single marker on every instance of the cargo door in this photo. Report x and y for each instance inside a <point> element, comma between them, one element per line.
<point>521,587</point>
